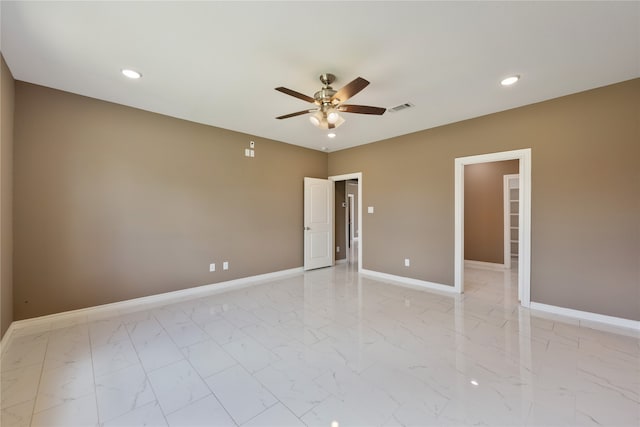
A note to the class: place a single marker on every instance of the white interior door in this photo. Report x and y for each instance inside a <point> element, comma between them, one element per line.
<point>318,223</point>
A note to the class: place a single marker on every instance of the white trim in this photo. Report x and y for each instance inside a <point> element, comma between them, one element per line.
<point>358,176</point>
<point>341,261</point>
<point>6,338</point>
<point>350,214</point>
<point>52,321</point>
<point>587,316</point>
<point>407,281</point>
<point>346,222</point>
<point>524,232</point>
<point>485,265</point>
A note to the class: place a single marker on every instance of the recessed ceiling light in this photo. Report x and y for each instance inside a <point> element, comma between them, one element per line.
<point>132,74</point>
<point>474,383</point>
<point>331,135</point>
<point>509,80</point>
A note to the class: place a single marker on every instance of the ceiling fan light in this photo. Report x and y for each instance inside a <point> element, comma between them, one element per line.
<point>314,120</point>
<point>333,117</point>
<point>338,122</point>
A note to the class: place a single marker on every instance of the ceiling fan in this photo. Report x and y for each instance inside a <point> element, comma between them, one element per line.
<point>329,102</point>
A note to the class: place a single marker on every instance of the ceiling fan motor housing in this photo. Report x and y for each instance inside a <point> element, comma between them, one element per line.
<point>323,96</point>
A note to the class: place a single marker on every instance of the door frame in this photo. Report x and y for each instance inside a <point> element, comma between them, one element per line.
<point>351,235</point>
<point>354,176</point>
<point>524,233</point>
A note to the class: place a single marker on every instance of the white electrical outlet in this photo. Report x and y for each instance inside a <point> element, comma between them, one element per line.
<point>337,248</point>
<point>225,265</point>
<point>212,267</point>
<point>407,262</point>
<point>370,209</point>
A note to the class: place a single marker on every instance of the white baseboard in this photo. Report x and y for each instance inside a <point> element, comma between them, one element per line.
<point>485,265</point>
<point>4,342</point>
<point>83,315</point>
<point>67,318</point>
<point>341,261</point>
<point>407,281</point>
<point>586,317</point>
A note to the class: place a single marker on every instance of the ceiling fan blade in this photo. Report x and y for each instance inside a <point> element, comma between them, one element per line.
<point>351,89</point>
<point>362,109</point>
<point>295,94</point>
<point>298,113</point>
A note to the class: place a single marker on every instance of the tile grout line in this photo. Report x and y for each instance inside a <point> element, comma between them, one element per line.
<point>180,349</point>
<point>203,379</point>
<point>146,375</point>
<point>35,399</point>
<point>93,375</point>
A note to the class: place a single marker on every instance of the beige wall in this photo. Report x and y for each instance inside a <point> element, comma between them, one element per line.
<point>340,220</point>
<point>113,203</point>
<point>6,196</point>
<point>585,196</point>
<point>484,210</point>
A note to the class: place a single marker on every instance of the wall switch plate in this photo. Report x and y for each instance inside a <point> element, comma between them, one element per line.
<point>252,153</point>
<point>407,262</point>
<point>225,265</point>
<point>337,248</point>
<point>247,152</point>
<point>212,267</point>
<point>370,209</point>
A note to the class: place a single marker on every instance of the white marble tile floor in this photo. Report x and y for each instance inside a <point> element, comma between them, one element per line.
<point>323,346</point>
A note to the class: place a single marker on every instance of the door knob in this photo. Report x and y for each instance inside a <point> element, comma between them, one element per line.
<point>307,228</point>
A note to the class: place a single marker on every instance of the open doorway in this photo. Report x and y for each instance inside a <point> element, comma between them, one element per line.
<point>352,228</point>
<point>486,230</point>
<point>348,229</point>
<point>524,217</point>
<point>485,223</point>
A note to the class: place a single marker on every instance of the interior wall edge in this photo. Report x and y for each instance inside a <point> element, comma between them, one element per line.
<point>7,116</point>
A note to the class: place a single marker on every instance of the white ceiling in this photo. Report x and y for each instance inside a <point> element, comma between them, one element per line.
<point>218,62</point>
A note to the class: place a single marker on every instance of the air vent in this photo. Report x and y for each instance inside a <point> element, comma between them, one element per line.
<point>401,107</point>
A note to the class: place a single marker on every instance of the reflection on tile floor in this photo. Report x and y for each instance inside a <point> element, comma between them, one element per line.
<point>325,346</point>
